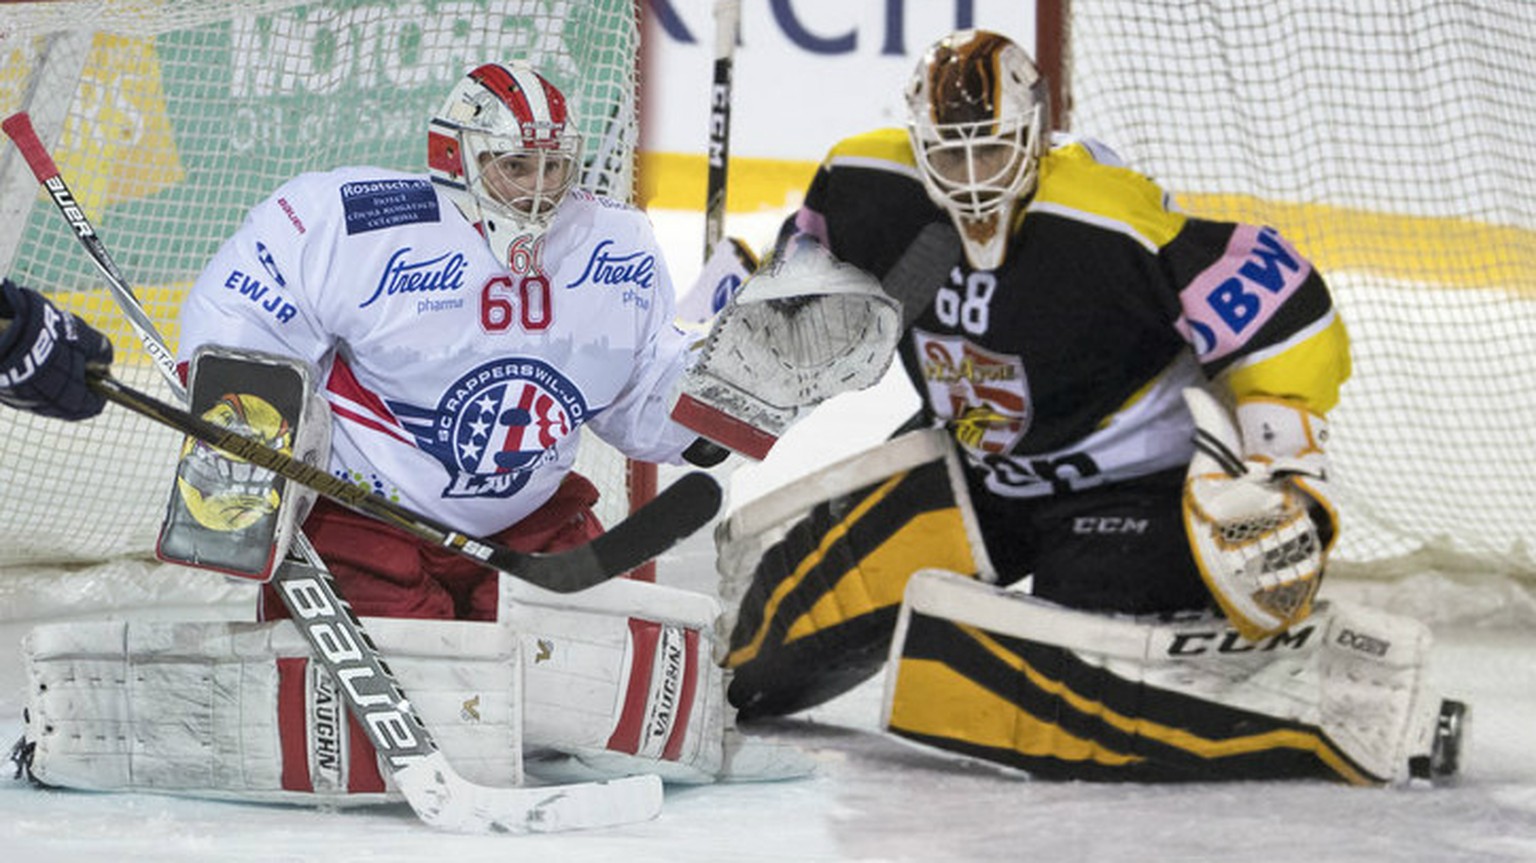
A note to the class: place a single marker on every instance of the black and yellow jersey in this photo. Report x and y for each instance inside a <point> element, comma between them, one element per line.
<point>1064,367</point>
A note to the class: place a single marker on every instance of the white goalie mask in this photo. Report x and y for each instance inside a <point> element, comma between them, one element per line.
<point>977,114</point>
<point>505,150</point>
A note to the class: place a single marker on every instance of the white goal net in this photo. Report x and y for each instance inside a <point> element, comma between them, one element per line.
<point>169,119</point>
<point>1395,144</point>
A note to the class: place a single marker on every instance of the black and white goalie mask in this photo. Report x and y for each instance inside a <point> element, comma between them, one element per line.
<point>977,115</point>
<point>225,513</point>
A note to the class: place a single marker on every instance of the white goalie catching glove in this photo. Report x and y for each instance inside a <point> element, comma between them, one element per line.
<point>1258,511</point>
<point>803,329</point>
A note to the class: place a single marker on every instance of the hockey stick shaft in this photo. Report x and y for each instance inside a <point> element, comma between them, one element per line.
<point>19,127</point>
<point>677,511</point>
<point>435,791</point>
<point>727,27</point>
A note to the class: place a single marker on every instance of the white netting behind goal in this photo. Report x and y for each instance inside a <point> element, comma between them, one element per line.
<point>1395,143</point>
<point>170,119</point>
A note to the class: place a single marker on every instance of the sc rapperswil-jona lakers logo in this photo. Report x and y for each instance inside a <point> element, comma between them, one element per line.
<point>497,424</point>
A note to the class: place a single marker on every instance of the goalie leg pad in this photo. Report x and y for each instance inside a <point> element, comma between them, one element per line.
<point>817,617</point>
<point>1061,694</point>
<point>224,513</point>
<point>620,681</point>
<point>238,711</point>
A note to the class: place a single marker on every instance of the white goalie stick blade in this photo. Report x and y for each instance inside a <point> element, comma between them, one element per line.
<point>799,496</point>
<point>438,794</point>
<point>448,801</point>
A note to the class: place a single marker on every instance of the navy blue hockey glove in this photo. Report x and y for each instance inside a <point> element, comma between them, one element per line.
<point>44,353</point>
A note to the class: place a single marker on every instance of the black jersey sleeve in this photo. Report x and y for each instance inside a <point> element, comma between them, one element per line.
<point>865,203</point>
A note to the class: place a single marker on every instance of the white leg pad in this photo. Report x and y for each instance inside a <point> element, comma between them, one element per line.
<point>1356,674</point>
<point>620,680</point>
<point>238,711</point>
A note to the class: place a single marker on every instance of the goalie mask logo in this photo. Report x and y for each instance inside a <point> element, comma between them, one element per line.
<point>496,425</point>
<point>224,492</point>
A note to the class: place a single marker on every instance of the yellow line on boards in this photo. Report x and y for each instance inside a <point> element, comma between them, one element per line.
<point>1436,251</point>
<point>675,181</point>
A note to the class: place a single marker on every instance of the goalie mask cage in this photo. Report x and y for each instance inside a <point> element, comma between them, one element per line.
<point>169,120</point>
<point>1395,144</point>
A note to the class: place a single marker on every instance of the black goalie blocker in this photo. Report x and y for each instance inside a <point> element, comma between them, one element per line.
<point>225,513</point>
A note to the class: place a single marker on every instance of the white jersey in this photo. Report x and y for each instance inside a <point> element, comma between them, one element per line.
<point>457,383</point>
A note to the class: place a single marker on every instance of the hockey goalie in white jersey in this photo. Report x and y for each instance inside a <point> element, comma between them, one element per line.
<point>461,327</point>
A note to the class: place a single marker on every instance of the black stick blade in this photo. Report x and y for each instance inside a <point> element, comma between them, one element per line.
<point>673,515</point>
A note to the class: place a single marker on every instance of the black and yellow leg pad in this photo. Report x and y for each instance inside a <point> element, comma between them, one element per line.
<point>982,690</point>
<point>818,615</point>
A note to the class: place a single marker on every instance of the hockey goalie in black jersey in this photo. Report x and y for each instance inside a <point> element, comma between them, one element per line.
<point>1061,580</point>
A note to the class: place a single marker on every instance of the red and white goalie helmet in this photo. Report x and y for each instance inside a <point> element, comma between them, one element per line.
<point>505,149</point>
<point>977,115</point>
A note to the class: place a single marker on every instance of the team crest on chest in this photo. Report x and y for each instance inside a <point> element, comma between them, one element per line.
<point>496,425</point>
<point>983,396</point>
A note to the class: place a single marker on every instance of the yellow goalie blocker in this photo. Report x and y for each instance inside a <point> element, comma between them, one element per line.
<point>996,675</point>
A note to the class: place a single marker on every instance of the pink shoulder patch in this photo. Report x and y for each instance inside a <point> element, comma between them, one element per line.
<point>808,221</point>
<point>1232,299</point>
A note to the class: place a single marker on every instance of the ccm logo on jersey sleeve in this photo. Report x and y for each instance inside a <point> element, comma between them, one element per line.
<point>377,204</point>
<point>1230,301</point>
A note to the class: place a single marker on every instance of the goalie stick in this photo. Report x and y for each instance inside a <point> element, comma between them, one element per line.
<point>435,791</point>
<point>676,512</point>
<point>438,794</point>
<point>727,26</point>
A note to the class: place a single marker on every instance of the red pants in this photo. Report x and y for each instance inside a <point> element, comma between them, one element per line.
<point>383,571</point>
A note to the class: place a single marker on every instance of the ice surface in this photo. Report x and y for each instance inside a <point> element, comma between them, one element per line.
<point>872,799</point>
